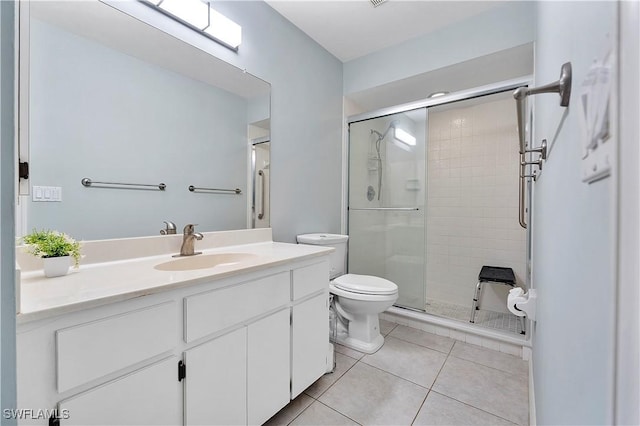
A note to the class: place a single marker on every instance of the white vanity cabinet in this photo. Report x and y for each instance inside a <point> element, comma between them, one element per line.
<point>216,388</point>
<point>149,396</point>
<point>230,351</point>
<point>309,325</point>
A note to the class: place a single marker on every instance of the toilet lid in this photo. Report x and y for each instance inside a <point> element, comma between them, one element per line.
<point>365,284</point>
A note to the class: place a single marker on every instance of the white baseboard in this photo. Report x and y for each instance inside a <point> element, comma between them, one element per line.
<point>532,395</point>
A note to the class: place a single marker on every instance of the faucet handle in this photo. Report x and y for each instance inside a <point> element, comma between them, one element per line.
<point>170,228</point>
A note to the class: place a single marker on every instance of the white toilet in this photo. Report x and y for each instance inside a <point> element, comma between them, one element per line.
<point>358,299</point>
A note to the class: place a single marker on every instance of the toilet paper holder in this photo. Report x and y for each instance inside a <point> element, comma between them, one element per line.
<point>522,304</point>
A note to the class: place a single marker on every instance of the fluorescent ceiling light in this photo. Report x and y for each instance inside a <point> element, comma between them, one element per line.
<point>404,137</point>
<point>224,29</point>
<point>194,12</point>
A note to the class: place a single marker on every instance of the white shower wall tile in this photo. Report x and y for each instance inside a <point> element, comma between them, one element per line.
<point>472,202</point>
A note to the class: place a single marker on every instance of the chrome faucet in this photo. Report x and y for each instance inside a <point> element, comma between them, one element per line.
<point>188,240</point>
<point>170,228</point>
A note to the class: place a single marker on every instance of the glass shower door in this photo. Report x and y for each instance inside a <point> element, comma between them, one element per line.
<point>386,202</point>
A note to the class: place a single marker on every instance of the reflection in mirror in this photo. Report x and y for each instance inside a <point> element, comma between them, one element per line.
<point>113,99</point>
<point>260,170</point>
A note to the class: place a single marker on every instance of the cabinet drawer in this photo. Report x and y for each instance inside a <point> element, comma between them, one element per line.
<point>310,279</point>
<point>88,351</point>
<point>213,311</point>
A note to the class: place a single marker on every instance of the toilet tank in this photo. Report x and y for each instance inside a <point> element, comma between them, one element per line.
<point>337,259</point>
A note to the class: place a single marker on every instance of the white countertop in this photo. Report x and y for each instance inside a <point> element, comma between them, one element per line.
<point>101,283</point>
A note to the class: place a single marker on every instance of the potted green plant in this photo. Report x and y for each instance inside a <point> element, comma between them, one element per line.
<point>56,249</point>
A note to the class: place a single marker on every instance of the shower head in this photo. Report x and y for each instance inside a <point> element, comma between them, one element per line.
<point>383,135</point>
<point>375,132</point>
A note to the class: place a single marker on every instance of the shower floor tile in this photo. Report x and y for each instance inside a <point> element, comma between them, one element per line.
<point>471,386</point>
<point>487,319</point>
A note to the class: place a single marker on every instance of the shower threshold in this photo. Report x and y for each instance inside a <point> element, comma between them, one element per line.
<point>396,313</point>
<point>504,321</point>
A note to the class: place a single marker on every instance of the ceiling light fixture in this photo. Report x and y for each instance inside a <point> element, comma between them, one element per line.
<point>437,94</point>
<point>199,16</point>
<point>224,29</point>
<point>377,3</point>
<point>404,136</point>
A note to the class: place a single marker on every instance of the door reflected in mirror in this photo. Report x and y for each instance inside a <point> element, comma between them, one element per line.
<point>119,101</point>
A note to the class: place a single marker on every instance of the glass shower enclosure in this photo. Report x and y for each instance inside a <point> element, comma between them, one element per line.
<point>387,200</point>
<point>433,197</point>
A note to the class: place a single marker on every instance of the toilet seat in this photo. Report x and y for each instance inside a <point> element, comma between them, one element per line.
<point>365,284</point>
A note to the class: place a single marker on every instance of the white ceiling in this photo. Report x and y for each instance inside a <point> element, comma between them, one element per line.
<point>349,29</point>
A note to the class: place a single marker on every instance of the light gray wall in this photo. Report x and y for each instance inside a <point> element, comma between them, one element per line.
<point>508,25</point>
<point>573,231</point>
<point>7,200</point>
<point>628,333</point>
<point>98,113</point>
<point>306,117</point>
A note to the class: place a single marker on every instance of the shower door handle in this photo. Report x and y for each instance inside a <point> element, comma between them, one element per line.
<point>262,193</point>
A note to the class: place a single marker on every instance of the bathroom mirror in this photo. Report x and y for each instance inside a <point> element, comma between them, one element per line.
<point>115,100</point>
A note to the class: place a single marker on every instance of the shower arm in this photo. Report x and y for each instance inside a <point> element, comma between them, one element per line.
<point>562,86</point>
<point>381,136</point>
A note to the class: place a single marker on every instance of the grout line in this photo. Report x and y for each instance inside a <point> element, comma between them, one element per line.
<point>422,346</point>
<point>336,381</point>
<point>342,414</point>
<point>473,406</point>
<point>427,347</point>
<point>421,405</point>
<point>401,378</point>
<point>305,408</point>
<point>493,368</point>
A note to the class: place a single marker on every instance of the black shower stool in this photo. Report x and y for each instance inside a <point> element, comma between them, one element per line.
<point>492,275</point>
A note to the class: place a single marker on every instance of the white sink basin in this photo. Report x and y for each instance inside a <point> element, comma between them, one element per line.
<point>204,261</point>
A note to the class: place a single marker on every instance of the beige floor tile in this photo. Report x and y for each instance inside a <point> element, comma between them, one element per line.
<point>347,351</point>
<point>320,414</point>
<point>407,360</point>
<point>422,338</point>
<point>491,358</point>
<point>290,411</point>
<point>491,390</point>
<point>371,396</point>
<point>441,410</point>
<point>343,363</point>
<point>386,327</point>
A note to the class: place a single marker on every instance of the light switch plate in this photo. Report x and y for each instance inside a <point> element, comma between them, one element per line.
<point>46,193</point>
<point>597,164</point>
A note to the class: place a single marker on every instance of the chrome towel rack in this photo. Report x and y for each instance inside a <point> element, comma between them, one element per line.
<point>397,209</point>
<point>117,185</point>
<point>216,190</point>
<point>563,87</point>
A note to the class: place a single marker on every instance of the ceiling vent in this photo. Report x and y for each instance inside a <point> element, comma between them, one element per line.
<point>377,3</point>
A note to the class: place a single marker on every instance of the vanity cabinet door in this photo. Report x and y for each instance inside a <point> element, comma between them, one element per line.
<point>216,381</point>
<point>268,366</point>
<point>149,396</point>
<point>310,342</point>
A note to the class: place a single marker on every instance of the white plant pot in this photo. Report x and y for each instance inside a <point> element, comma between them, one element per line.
<point>56,266</point>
